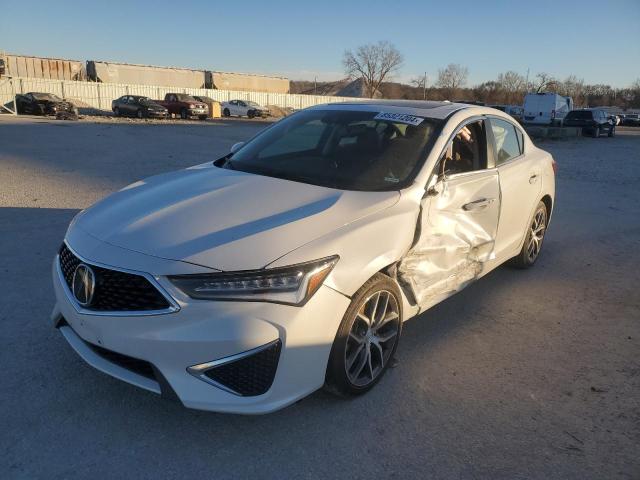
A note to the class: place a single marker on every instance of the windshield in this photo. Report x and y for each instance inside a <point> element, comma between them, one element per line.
<point>46,96</point>
<point>183,97</point>
<point>580,115</point>
<point>349,150</point>
<point>253,104</point>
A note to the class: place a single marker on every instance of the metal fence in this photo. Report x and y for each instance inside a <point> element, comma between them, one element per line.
<point>100,95</point>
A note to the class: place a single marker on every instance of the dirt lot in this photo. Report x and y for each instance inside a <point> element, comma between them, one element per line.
<point>524,375</point>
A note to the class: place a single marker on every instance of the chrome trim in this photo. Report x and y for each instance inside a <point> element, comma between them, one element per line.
<point>199,370</point>
<point>174,307</point>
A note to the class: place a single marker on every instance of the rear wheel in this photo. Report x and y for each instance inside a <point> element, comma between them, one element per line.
<point>367,338</point>
<point>596,132</point>
<point>533,240</point>
<point>116,112</point>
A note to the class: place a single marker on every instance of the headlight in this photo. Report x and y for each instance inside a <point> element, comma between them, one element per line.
<point>193,106</point>
<point>293,285</point>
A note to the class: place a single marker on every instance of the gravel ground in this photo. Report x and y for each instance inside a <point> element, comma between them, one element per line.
<point>524,375</point>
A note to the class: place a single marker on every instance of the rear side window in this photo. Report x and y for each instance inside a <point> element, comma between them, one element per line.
<point>509,141</point>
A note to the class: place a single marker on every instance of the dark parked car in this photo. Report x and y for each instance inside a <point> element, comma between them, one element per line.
<point>184,105</point>
<point>593,122</point>
<point>632,120</point>
<point>138,106</point>
<point>37,103</point>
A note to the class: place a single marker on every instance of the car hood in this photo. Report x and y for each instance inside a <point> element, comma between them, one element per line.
<point>223,219</point>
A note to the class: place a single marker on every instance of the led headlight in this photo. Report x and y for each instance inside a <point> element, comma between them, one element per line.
<point>292,285</point>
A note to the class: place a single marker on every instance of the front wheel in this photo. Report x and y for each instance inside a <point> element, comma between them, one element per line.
<point>226,112</point>
<point>139,114</point>
<point>251,113</point>
<point>184,114</point>
<point>367,338</point>
<point>533,240</point>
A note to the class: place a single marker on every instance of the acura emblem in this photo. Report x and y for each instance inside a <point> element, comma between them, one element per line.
<point>83,284</point>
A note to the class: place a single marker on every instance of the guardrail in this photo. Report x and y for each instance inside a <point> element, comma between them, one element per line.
<point>100,95</point>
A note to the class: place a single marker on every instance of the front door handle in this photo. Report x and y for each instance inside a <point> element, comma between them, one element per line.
<point>479,204</point>
<point>533,178</point>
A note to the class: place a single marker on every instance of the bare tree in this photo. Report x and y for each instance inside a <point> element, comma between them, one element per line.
<point>513,85</point>
<point>545,82</point>
<point>374,63</point>
<point>452,77</point>
<point>573,87</point>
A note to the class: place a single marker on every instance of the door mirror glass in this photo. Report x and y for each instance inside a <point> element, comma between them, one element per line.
<point>236,146</point>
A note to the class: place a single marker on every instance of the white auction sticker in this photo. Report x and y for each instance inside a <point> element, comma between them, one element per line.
<point>399,117</point>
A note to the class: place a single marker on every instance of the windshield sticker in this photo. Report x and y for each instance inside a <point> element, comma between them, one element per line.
<point>400,118</point>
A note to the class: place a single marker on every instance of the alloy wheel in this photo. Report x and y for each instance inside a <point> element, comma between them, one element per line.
<point>536,235</point>
<point>372,338</point>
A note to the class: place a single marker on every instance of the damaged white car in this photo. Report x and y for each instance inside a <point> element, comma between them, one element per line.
<point>245,284</point>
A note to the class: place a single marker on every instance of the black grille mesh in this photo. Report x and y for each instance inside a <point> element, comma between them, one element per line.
<point>115,290</point>
<point>251,375</point>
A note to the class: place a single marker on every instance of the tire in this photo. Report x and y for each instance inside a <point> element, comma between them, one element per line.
<point>370,356</point>
<point>116,112</point>
<point>183,114</point>
<point>531,248</point>
<point>251,113</point>
<point>202,117</point>
<point>226,112</point>
<point>596,132</point>
<point>139,114</point>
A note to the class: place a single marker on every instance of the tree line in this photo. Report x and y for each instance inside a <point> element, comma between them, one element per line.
<point>376,64</point>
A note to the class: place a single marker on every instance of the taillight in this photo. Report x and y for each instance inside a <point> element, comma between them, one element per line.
<point>554,165</point>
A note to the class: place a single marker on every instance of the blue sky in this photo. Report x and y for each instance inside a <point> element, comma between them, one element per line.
<point>597,41</point>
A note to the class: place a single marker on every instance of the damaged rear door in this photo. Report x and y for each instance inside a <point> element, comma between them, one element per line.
<point>458,221</point>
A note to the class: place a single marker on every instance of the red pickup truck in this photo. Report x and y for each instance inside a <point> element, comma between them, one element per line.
<point>184,105</point>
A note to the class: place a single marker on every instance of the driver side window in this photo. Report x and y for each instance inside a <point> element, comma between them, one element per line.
<point>466,152</point>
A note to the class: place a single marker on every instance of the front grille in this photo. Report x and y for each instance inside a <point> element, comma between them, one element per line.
<point>114,290</point>
<point>251,375</point>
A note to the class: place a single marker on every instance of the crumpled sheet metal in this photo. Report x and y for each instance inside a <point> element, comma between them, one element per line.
<point>446,257</point>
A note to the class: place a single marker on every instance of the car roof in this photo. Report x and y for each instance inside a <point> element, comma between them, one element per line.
<point>422,108</point>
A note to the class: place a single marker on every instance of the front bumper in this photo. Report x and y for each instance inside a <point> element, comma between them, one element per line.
<point>201,332</point>
<point>157,114</point>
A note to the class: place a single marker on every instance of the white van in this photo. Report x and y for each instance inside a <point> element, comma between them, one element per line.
<point>546,108</point>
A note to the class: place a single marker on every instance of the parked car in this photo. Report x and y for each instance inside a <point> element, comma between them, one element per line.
<point>632,120</point>
<point>515,111</point>
<point>184,105</point>
<point>138,106</point>
<point>244,108</point>
<point>39,103</point>
<point>244,284</point>
<point>546,108</point>
<point>593,122</point>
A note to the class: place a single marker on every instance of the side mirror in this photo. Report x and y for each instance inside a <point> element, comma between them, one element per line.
<point>236,146</point>
<point>434,187</point>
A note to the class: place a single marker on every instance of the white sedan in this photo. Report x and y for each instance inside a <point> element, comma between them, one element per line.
<point>245,284</point>
<point>244,108</point>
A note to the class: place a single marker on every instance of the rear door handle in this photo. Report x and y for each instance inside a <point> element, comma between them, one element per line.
<point>479,204</point>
